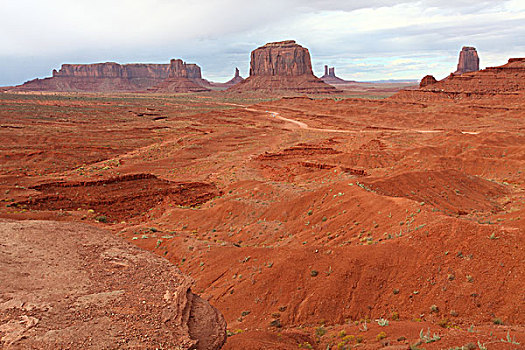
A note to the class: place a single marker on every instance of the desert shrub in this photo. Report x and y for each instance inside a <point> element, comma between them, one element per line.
<point>102,218</point>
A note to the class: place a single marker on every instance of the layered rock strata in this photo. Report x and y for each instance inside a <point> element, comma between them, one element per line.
<point>100,77</point>
<point>506,81</point>
<point>282,66</point>
<point>182,77</point>
<point>329,76</point>
<point>468,60</point>
<point>177,76</point>
<point>235,80</point>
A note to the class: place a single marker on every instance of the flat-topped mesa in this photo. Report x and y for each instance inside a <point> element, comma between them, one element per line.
<point>177,76</point>
<point>282,66</point>
<point>113,70</point>
<point>284,58</point>
<point>182,77</point>
<point>180,69</point>
<point>100,77</point>
<point>468,60</point>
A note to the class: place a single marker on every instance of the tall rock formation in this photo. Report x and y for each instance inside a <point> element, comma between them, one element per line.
<point>177,76</point>
<point>235,80</point>
<point>284,58</point>
<point>468,60</point>
<point>506,82</point>
<point>100,77</point>
<point>282,66</point>
<point>329,76</point>
<point>182,77</point>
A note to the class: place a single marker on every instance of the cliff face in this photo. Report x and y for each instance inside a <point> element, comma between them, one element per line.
<point>177,76</point>
<point>100,77</point>
<point>329,76</point>
<point>179,69</point>
<point>182,77</point>
<point>284,58</point>
<point>113,70</point>
<point>506,81</point>
<point>282,66</point>
<point>235,80</point>
<point>468,60</point>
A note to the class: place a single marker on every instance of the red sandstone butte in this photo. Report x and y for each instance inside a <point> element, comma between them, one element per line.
<point>506,81</point>
<point>182,77</point>
<point>235,80</point>
<point>282,66</point>
<point>100,77</point>
<point>468,60</point>
<point>329,76</point>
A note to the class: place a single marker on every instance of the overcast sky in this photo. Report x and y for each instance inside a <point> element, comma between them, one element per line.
<point>364,40</point>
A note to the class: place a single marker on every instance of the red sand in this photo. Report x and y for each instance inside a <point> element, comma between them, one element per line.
<point>409,209</point>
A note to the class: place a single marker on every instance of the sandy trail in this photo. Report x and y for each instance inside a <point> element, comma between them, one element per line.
<point>305,126</point>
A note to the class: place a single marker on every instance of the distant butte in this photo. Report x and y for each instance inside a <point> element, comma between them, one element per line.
<point>182,77</point>
<point>329,77</point>
<point>507,80</point>
<point>468,60</point>
<point>282,66</point>
<point>235,80</point>
<point>100,77</point>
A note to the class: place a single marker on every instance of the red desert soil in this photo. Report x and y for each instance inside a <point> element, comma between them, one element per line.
<point>73,286</point>
<point>313,223</point>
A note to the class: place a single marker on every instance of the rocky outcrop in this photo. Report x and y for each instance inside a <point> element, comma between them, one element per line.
<point>282,66</point>
<point>113,70</point>
<point>177,76</point>
<point>329,77</point>
<point>100,77</point>
<point>506,81</point>
<point>284,58</point>
<point>182,77</point>
<point>73,286</point>
<point>180,69</point>
<point>427,80</point>
<point>235,80</point>
<point>468,60</point>
<point>232,82</point>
